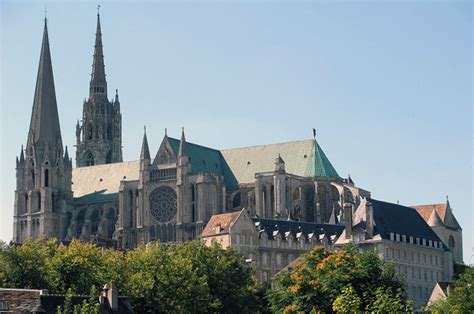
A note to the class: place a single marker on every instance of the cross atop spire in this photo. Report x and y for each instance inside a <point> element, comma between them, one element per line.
<point>44,125</point>
<point>98,84</point>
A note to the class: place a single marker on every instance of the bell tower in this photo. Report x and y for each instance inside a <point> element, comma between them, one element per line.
<point>43,170</point>
<point>99,133</point>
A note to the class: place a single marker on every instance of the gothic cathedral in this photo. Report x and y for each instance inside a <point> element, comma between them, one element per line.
<point>172,196</point>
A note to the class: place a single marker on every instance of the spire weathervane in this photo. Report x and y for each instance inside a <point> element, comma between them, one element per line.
<point>98,9</point>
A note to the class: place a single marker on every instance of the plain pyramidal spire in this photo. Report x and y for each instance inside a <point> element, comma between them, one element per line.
<point>44,126</point>
<point>182,144</point>
<point>145,153</point>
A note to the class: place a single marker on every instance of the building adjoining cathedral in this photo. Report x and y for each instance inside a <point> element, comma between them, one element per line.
<point>271,202</point>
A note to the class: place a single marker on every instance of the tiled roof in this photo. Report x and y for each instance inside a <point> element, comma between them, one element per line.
<point>222,222</point>
<point>443,210</point>
<point>426,210</point>
<point>100,180</point>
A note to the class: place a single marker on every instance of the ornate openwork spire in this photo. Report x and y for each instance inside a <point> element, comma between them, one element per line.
<point>98,83</point>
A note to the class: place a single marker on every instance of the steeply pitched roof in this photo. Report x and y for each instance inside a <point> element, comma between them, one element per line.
<point>220,224</point>
<point>104,179</point>
<point>398,219</point>
<point>434,219</point>
<point>302,158</point>
<point>443,210</point>
<point>44,125</point>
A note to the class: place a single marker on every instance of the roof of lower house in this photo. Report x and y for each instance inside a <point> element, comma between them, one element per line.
<point>96,182</point>
<point>220,224</point>
<point>39,301</point>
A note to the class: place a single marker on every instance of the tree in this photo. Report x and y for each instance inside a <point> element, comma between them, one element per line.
<point>79,266</point>
<point>347,302</point>
<point>26,266</point>
<point>325,280</point>
<point>461,298</point>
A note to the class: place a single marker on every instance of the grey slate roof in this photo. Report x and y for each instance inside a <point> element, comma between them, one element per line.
<point>395,218</point>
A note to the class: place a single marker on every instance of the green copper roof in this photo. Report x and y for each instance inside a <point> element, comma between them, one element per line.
<point>320,166</point>
<point>205,160</point>
<point>302,158</point>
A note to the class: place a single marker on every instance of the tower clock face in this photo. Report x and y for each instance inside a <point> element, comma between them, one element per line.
<point>163,204</point>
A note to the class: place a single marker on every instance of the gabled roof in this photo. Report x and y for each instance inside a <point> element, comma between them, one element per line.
<point>98,180</point>
<point>220,224</point>
<point>443,210</point>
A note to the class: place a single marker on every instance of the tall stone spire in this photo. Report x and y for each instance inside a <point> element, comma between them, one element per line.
<point>145,153</point>
<point>98,84</point>
<point>44,126</point>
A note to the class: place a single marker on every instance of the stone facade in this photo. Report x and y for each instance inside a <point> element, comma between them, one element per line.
<point>268,244</point>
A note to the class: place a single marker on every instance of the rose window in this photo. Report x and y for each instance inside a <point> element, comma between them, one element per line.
<point>163,204</point>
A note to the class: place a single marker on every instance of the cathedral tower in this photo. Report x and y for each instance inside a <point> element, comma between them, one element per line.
<point>99,134</point>
<point>43,171</point>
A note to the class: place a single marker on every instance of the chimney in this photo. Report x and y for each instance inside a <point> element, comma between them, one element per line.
<point>369,219</point>
<point>348,220</point>
<point>112,297</point>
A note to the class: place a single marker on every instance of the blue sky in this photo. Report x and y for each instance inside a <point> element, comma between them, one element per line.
<point>387,85</point>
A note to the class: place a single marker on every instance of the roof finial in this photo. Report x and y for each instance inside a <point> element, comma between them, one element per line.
<point>45,12</point>
<point>98,9</point>
<point>314,133</point>
<point>166,132</point>
<point>144,129</point>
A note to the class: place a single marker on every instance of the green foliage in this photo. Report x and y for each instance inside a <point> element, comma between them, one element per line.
<point>188,277</point>
<point>461,298</point>
<point>347,302</point>
<point>323,277</point>
<point>79,266</point>
<point>26,266</point>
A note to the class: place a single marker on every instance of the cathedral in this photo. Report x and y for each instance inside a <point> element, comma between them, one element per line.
<point>172,195</point>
